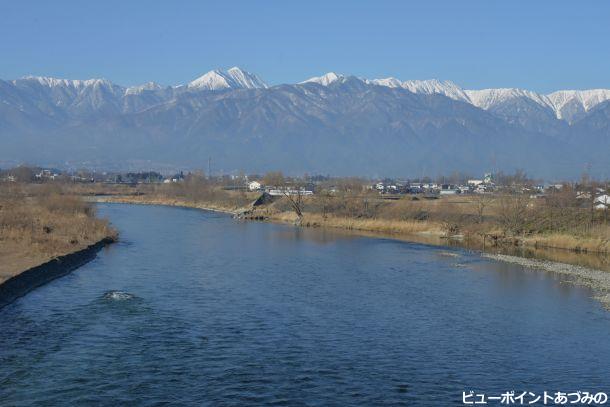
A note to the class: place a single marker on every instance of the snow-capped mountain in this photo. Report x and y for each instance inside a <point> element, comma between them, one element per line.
<point>488,98</point>
<point>568,105</point>
<point>332,123</point>
<point>66,83</point>
<point>325,79</point>
<point>234,78</point>
<point>432,86</point>
<point>134,90</point>
<point>429,86</point>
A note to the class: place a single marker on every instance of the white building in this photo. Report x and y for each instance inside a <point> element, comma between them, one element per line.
<point>292,192</point>
<point>602,202</point>
<point>603,199</point>
<point>254,186</point>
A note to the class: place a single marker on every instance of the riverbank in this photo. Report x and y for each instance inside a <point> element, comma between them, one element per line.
<point>558,221</point>
<point>579,268</point>
<point>27,280</point>
<point>43,229</point>
<point>148,200</point>
<point>427,232</point>
<point>596,280</point>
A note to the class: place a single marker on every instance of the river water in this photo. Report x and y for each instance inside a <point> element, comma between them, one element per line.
<point>194,308</point>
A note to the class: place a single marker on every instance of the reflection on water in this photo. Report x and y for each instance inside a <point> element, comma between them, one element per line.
<point>193,308</point>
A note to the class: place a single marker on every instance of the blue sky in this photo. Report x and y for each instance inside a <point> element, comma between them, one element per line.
<point>539,45</point>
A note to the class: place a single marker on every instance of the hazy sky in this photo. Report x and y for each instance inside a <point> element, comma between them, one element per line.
<point>539,45</point>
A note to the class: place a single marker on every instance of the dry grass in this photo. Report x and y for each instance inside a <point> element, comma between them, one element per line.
<point>38,224</point>
<point>228,206</point>
<point>593,244</point>
<point>507,220</point>
<point>370,225</point>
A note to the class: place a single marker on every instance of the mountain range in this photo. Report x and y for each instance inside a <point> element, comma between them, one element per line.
<point>336,124</point>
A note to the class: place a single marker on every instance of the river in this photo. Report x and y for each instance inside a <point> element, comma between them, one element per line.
<point>195,308</point>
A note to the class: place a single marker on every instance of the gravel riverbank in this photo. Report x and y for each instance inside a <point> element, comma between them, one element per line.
<point>597,280</point>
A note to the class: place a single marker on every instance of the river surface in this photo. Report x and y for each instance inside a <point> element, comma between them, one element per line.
<point>194,308</point>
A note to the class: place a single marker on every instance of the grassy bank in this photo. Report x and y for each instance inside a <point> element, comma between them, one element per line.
<point>384,226</point>
<point>556,221</point>
<point>225,207</point>
<point>489,221</point>
<point>495,222</point>
<point>42,222</point>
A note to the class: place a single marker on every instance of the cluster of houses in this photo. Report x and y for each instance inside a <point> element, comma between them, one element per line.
<point>387,187</point>
<point>433,188</point>
<point>47,174</point>
<point>601,198</point>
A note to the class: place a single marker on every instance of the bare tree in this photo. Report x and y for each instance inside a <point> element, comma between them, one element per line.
<point>324,197</point>
<point>512,214</point>
<point>293,190</point>
<point>481,202</point>
<point>295,197</point>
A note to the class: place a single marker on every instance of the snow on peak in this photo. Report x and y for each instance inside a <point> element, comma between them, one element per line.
<point>428,86</point>
<point>246,79</point>
<point>234,78</point>
<point>326,79</point>
<point>564,101</point>
<point>388,82</point>
<point>56,82</point>
<point>434,86</point>
<point>134,90</point>
<point>212,80</point>
<point>488,98</point>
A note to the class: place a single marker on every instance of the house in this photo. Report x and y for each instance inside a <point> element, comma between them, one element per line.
<point>554,187</point>
<point>46,174</point>
<point>602,202</point>
<point>480,189</point>
<point>254,186</point>
<point>475,182</point>
<point>449,189</point>
<point>605,199</point>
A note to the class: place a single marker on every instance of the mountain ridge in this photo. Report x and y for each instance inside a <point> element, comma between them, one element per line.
<point>566,104</point>
<point>333,123</point>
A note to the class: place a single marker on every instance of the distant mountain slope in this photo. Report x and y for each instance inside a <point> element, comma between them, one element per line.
<point>330,124</point>
<point>234,78</point>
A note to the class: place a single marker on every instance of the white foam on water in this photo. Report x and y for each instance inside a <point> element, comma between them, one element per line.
<point>118,296</point>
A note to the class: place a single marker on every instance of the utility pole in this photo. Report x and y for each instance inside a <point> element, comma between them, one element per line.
<point>209,167</point>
